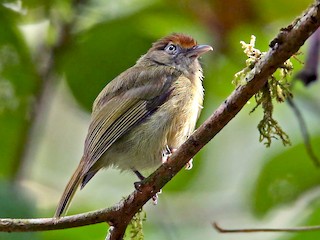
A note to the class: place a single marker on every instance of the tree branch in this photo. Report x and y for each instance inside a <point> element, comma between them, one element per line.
<point>287,43</point>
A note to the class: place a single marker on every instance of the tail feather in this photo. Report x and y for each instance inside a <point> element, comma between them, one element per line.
<point>69,192</point>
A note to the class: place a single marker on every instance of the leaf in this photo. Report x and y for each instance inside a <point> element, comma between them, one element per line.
<point>284,178</point>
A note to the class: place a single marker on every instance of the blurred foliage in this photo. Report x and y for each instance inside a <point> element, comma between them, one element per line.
<point>280,179</point>
<point>312,220</point>
<point>92,232</point>
<point>98,40</point>
<point>18,86</point>
<point>94,49</point>
<point>15,203</point>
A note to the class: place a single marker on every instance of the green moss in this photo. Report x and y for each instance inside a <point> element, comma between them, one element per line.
<point>136,225</point>
<point>276,88</point>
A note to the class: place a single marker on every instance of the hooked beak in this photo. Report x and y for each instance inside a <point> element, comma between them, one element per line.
<point>198,50</point>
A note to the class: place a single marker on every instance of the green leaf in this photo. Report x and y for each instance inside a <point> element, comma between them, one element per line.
<point>284,178</point>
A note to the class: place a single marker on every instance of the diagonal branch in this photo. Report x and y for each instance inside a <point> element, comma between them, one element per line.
<point>287,43</point>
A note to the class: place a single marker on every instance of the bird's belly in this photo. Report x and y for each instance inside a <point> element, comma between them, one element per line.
<point>144,145</point>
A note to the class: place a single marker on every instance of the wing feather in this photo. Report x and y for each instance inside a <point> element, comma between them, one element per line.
<point>118,114</point>
<point>118,128</point>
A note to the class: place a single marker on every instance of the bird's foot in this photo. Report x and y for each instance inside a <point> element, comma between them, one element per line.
<point>155,197</point>
<point>137,186</point>
<point>168,152</point>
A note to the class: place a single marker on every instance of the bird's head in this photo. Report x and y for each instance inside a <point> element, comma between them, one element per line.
<point>176,50</point>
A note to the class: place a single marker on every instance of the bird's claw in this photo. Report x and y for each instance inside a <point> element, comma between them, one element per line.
<point>168,152</point>
<point>137,186</point>
<point>155,197</point>
<point>189,164</point>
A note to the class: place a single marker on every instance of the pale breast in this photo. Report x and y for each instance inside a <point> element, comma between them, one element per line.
<point>188,99</point>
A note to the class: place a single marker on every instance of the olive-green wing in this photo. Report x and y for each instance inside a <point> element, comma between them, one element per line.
<point>120,113</point>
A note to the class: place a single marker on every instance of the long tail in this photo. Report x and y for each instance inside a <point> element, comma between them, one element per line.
<point>69,191</point>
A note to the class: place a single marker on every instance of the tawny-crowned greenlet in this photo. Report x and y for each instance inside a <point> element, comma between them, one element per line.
<point>144,113</point>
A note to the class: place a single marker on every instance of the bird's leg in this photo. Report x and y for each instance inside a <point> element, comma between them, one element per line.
<point>138,184</point>
<point>139,175</point>
<point>168,152</point>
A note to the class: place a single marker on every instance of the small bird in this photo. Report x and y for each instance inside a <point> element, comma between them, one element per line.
<point>143,114</point>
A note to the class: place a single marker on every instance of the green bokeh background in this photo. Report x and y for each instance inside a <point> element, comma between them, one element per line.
<point>235,180</point>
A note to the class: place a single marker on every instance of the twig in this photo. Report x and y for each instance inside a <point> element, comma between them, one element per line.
<point>304,132</point>
<point>309,73</point>
<point>288,42</point>
<point>256,230</point>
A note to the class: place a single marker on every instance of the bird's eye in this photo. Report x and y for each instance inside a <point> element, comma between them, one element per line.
<point>171,48</point>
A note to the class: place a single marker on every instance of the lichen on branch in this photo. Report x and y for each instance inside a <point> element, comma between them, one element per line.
<point>136,225</point>
<point>276,88</point>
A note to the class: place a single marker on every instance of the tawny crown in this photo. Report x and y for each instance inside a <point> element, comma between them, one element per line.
<point>182,40</point>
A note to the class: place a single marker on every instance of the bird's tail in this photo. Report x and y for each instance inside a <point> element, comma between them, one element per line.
<point>69,192</point>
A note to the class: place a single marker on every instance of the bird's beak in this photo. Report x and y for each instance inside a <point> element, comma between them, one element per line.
<point>198,50</point>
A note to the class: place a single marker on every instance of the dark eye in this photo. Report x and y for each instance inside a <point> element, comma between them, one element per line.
<point>171,48</point>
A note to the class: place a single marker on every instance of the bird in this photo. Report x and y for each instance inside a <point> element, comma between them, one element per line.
<point>144,114</point>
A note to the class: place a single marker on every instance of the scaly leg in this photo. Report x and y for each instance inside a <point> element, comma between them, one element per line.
<point>137,186</point>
